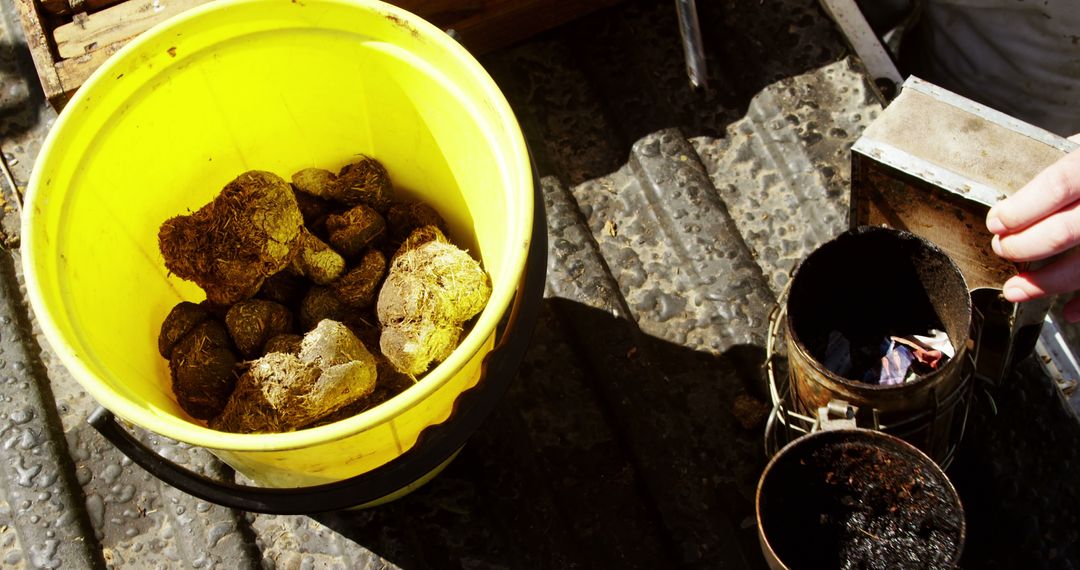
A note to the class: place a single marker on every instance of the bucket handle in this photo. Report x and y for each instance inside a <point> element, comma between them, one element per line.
<point>432,448</point>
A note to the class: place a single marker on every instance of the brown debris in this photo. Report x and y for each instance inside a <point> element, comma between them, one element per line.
<point>285,343</point>
<point>314,210</point>
<point>354,230</point>
<point>315,182</point>
<point>203,370</point>
<point>253,322</point>
<point>248,410</point>
<point>229,246</point>
<point>321,303</point>
<point>357,288</point>
<point>181,320</point>
<point>284,287</point>
<point>283,392</point>
<point>316,260</point>
<point>264,248</point>
<point>364,182</point>
<point>404,217</point>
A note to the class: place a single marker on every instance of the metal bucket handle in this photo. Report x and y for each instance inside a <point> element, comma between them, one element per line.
<point>432,448</point>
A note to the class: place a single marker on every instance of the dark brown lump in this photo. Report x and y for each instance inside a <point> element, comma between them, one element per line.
<point>180,321</point>
<point>316,260</point>
<point>358,287</point>
<point>203,368</point>
<point>284,343</point>
<point>352,231</point>
<point>314,210</point>
<point>364,181</point>
<point>253,322</point>
<point>284,287</point>
<point>248,410</point>
<point>321,303</point>
<point>405,216</point>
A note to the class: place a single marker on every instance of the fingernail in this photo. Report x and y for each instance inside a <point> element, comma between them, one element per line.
<point>994,224</point>
<point>1014,294</point>
<point>995,244</point>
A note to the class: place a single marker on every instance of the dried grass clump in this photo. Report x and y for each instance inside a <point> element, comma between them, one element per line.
<point>364,181</point>
<point>229,246</point>
<point>357,288</point>
<point>202,366</point>
<point>312,256</point>
<point>432,288</point>
<point>253,322</point>
<point>180,321</point>
<point>352,231</point>
<point>284,392</point>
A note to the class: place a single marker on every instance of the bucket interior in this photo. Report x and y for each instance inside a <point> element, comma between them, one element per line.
<point>276,86</point>
<point>858,499</point>
<point>871,283</point>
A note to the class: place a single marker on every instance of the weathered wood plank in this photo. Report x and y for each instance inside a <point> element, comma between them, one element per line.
<point>38,43</point>
<point>117,23</point>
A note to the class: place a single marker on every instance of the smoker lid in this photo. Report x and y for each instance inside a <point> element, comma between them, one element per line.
<point>957,145</point>
<point>934,163</point>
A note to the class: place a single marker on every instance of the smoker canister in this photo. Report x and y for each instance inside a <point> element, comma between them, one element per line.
<point>870,283</point>
<point>857,498</point>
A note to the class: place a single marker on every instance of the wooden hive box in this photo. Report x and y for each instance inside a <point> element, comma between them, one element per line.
<point>69,39</point>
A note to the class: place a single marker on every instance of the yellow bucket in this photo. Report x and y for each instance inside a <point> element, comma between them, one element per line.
<point>279,86</point>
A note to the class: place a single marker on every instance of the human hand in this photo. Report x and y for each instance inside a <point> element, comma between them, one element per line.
<point>1040,220</point>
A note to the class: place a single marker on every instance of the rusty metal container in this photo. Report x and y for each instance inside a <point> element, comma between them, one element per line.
<point>934,163</point>
<point>856,498</point>
<point>869,283</point>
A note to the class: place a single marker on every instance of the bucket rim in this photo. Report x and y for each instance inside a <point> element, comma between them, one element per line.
<point>182,429</point>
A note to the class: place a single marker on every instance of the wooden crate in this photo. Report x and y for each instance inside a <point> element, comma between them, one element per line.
<point>68,47</point>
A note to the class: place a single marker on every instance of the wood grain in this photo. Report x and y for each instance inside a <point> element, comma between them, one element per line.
<point>65,55</point>
<point>117,23</point>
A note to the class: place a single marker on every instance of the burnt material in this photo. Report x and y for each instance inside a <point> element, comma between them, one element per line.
<point>874,282</point>
<point>859,499</point>
<point>868,284</point>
